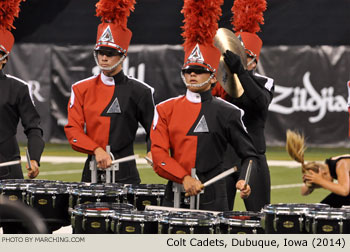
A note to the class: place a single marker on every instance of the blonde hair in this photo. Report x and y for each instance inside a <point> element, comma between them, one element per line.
<point>295,146</point>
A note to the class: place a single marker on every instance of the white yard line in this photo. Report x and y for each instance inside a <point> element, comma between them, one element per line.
<point>63,159</point>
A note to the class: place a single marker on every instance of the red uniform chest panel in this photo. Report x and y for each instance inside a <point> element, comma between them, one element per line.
<point>96,99</point>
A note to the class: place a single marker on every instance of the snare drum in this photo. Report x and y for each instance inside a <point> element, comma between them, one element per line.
<point>188,223</point>
<point>146,194</point>
<point>94,218</point>
<point>97,193</point>
<point>135,222</point>
<point>51,201</point>
<point>287,218</point>
<point>328,221</point>
<point>235,222</point>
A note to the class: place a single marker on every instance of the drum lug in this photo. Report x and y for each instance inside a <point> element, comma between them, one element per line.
<point>254,231</point>
<point>71,201</point>
<point>211,230</point>
<point>23,197</point>
<point>54,201</point>
<point>229,229</point>
<point>98,200</point>
<point>72,221</point>
<point>78,200</point>
<point>84,224</point>
<point>142,225</point>
<point>301,222</point>
<point>31,200</point>
<point>341,225</point>
<point>158,201</point>
<point>118,227</point>
<point>107,224</point>
<point>160,228</point>
<point>113,226</point>
<point>262,222</point>
<point>191,230</point>
<point>275,222</point>
<point>170,229</point>
<point>135,200</point>
<point>314,227</point>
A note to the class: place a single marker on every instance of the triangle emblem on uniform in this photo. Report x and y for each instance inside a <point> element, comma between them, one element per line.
<point>202,126</point>
<point>196,55</point>
<point>114,108</point>
<point>107,35</point>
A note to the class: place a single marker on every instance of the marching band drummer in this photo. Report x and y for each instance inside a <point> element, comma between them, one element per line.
<point>16,103</point>
<point>192,131</point>
<point>317,174</point>
<point>106,109</point>
<point>255,100</point>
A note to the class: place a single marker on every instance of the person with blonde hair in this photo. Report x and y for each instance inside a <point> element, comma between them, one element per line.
<point>322,175</point>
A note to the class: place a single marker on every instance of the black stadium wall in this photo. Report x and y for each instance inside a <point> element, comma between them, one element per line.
<point>306,51</point>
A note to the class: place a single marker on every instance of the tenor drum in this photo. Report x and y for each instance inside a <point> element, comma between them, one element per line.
<point>135,222</point>
<point>188,223</point>
<point>94,218</point>
<point>287,218</point>
<point>328,221</point>
<point>235,222</point>
<point>51,201</point>
<point>146,194</point>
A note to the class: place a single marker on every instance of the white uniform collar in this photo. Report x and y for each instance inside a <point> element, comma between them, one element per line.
<point>107,80</point>
<point>193,97</point>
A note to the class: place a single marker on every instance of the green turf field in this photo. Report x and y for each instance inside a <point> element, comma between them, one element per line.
<point>285,181</point>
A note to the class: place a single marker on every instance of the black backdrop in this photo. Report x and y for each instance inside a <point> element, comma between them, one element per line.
<point>287,22</point>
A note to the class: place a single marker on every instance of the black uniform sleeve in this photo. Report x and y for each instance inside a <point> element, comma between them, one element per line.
<point>146,112</point>
<point>31,124</point>
<point>241,142</point>
<point>254,89</point>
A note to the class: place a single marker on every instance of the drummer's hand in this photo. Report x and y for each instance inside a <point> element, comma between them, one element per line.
<point>192,186</point>
<point>313,177</point>
<point>233,62</point>
<point>34,171</point>
<point>103,159</point>
<point>244,189</point>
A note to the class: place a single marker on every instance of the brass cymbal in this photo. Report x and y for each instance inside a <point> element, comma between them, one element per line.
<point>227,40</point>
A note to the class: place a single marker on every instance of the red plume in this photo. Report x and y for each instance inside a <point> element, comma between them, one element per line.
<point>247,15</point>
<point>9,10</point>
<point>115,11</point>
<point>201,21</point>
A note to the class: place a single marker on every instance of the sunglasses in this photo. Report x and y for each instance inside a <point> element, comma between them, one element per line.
<point>107,53</point>
<point>194,70</point>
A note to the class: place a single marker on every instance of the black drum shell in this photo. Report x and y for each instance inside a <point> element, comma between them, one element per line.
<point>287,218</point>
<point>328,221</point>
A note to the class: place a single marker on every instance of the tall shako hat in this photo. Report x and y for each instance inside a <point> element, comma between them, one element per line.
<point>200,26</point>
<point>9,10</point>
<point>246,20</point>
<point>113,31</point>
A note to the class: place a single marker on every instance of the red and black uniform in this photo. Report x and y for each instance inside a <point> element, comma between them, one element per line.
<point>257,96</point>
<point>196,129</point>
<point>335,200</point>
<point>107,111</point>
<point>15,104</point>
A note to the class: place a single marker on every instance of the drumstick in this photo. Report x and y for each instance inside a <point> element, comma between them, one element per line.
<point>28,159</point>
<point>247,175</point>
<point>149,161</point>
<point>14,162</point>
<point>125,159</point>
<point>218,177</point>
